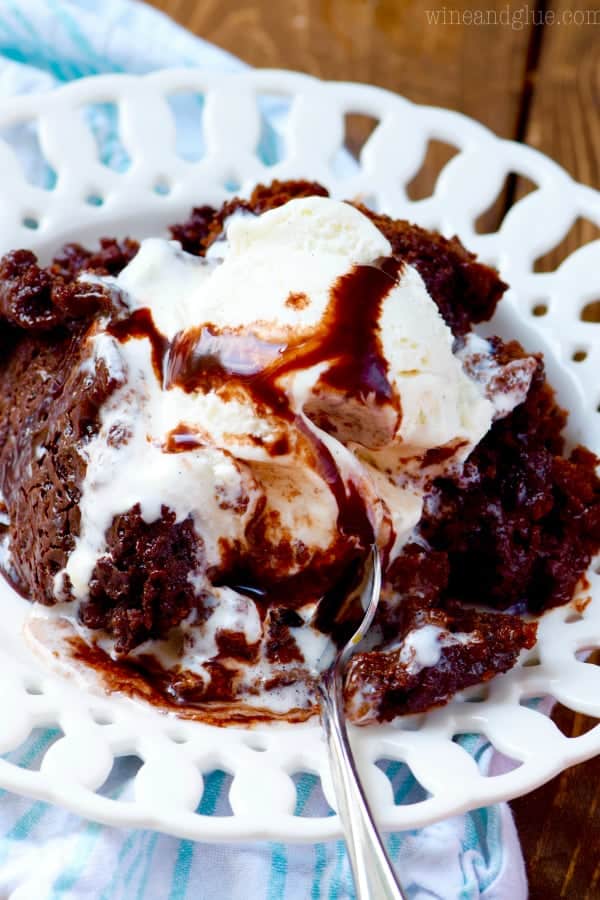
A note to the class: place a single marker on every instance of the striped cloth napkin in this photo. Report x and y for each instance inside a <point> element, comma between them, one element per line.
<point>49,854</point>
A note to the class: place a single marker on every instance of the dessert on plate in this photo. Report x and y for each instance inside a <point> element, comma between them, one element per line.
<point>201,437</point>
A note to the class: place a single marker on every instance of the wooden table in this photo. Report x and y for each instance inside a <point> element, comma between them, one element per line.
<point>535,78</point>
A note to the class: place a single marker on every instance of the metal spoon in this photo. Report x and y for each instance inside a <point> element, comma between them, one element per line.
<point>374,877</point>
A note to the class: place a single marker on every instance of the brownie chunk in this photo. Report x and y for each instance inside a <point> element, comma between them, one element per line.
<point>35,299</point>
<point>141,588</point>
<point>521,524</point>
<point>473,646</point>
<point>49,410</point>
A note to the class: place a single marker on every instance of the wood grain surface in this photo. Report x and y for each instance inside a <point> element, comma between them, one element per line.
<point>532,76</point>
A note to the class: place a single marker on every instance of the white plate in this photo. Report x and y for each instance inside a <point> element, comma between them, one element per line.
<point>97,729</point>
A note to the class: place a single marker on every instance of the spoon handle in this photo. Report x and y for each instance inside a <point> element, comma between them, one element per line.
<point>374,877</point>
